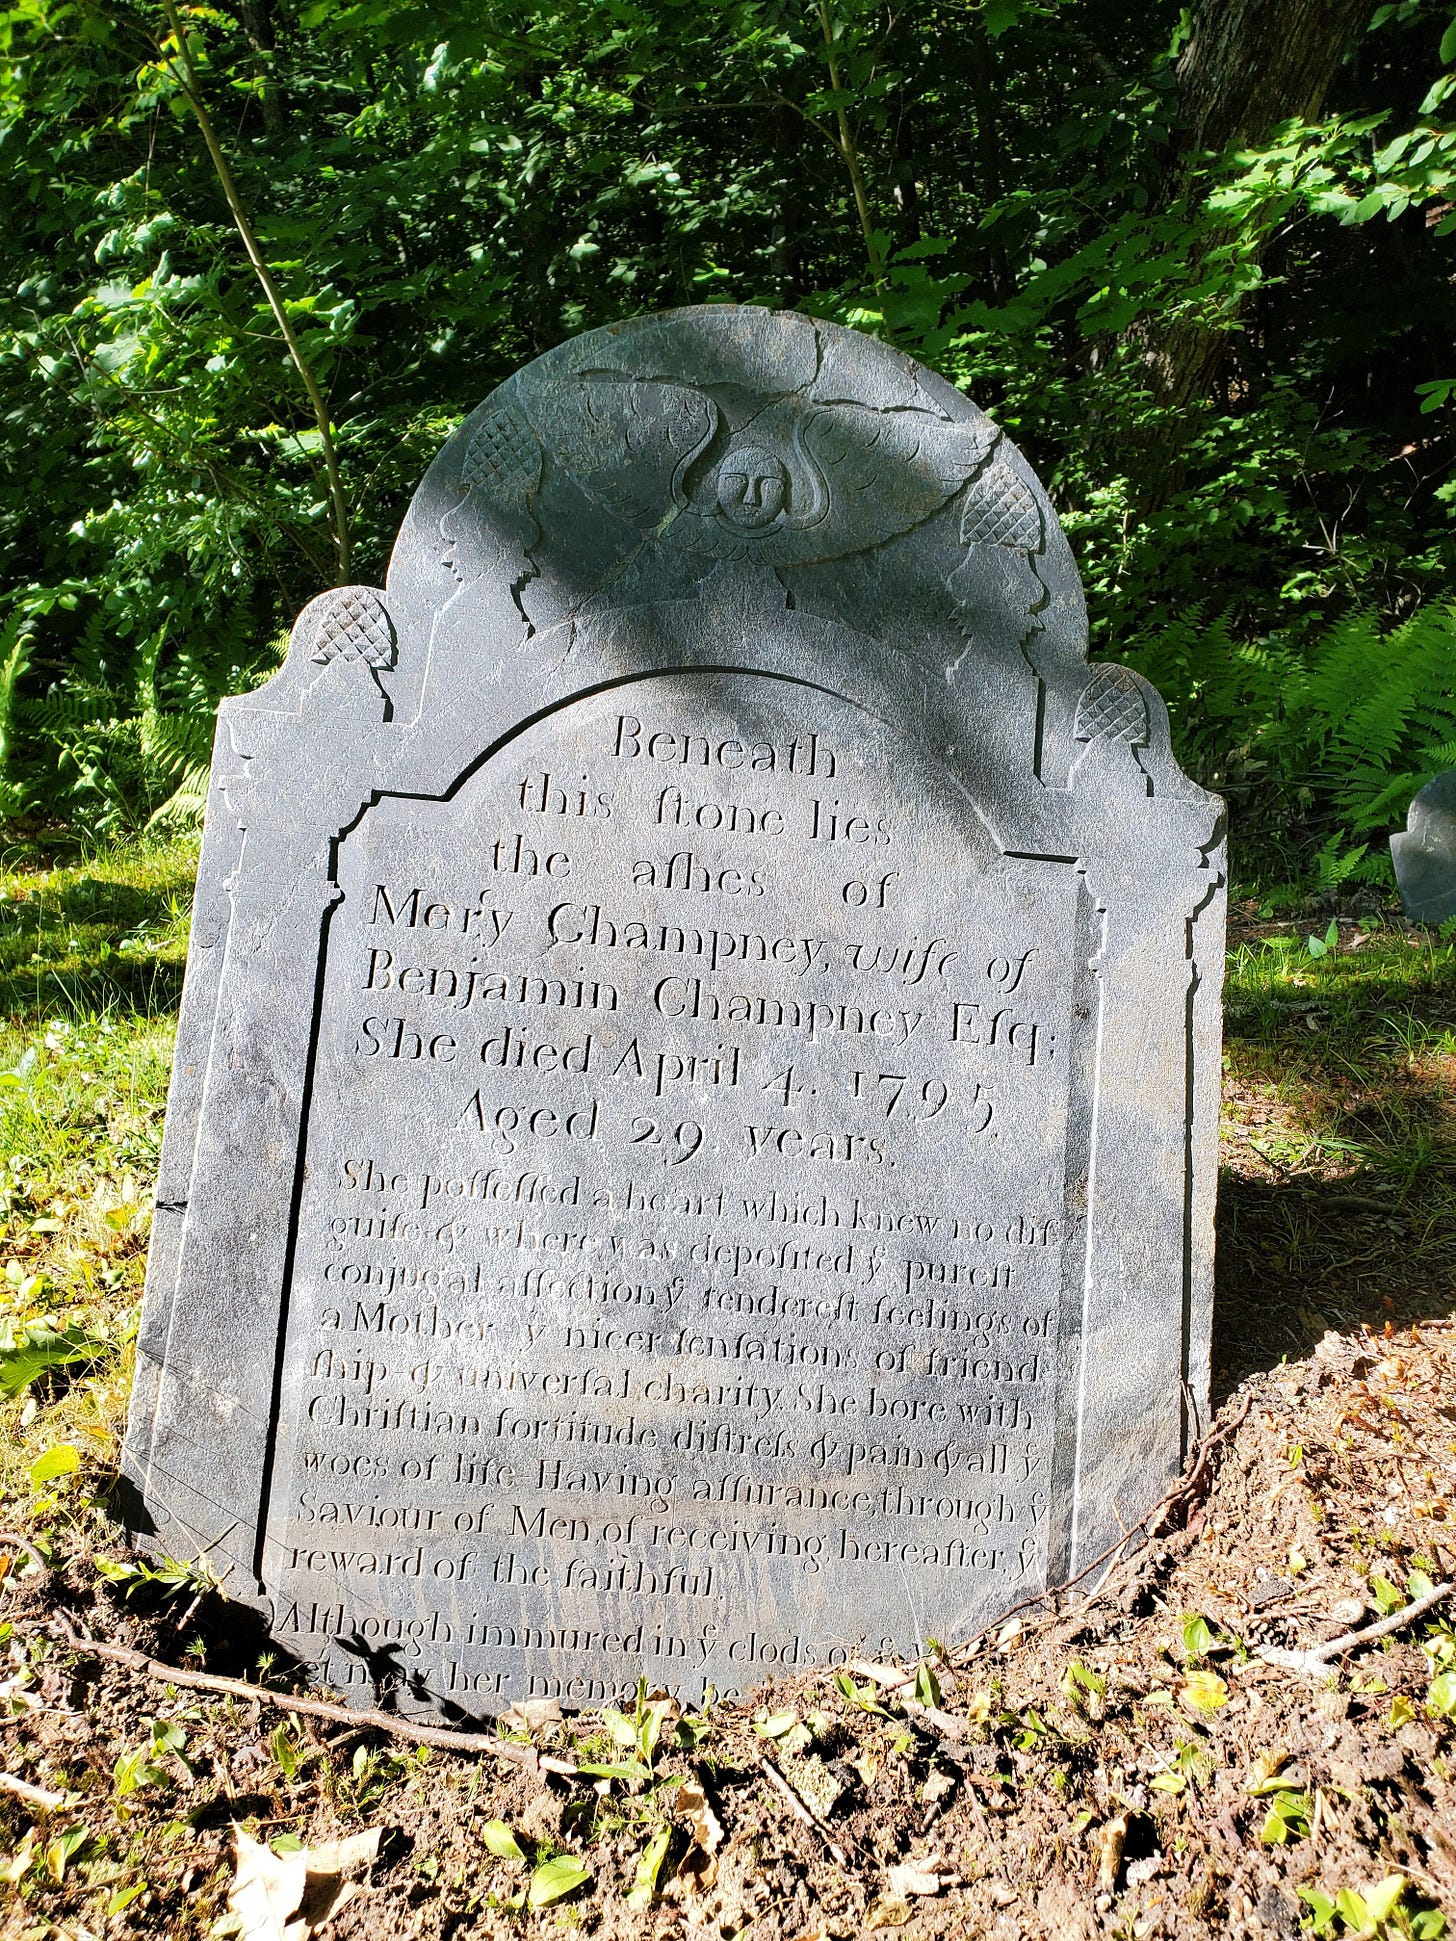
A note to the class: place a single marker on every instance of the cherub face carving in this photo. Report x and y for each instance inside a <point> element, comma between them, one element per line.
<point>752,488</point>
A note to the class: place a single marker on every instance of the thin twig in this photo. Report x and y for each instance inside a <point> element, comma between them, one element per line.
<point>849,153</point>
<point>315,1708</point>
<point>1316,1660</point>
<point>10,1541</point>
<point>32,1795</point>
<point>187,79</point>
<point>801,1808</point>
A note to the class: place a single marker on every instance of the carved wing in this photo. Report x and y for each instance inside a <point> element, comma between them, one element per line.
<point>909,462</point>
<point>628,443</point>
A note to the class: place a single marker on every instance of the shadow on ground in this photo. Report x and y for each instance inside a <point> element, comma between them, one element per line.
<point>1337,1198</point>
<point>88,940</point>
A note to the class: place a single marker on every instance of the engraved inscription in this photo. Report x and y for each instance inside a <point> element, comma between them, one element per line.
<point>685,1208</point>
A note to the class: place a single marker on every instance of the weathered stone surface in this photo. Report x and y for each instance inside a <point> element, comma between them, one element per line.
<point>692,1141</point>
<point>1424,853</point>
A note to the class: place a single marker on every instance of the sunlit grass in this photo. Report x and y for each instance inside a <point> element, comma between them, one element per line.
<point>1338,1201</point>
<point>91,962</point>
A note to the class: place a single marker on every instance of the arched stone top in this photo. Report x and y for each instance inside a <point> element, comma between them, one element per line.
<point>670,456</point>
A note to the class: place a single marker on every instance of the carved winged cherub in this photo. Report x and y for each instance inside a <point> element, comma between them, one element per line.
<point>796,481</point>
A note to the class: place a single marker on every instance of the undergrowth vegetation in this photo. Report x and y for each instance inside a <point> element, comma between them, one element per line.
<point>1221,333</point>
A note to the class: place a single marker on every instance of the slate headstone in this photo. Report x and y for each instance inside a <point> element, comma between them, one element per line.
<point>692,1144</point>
<point>1424,853</point>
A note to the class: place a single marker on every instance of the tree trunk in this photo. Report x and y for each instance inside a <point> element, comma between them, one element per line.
<point>981,72</point>
<point>1250,64</point>
<point>256,17</point>
<point>1247,66</point>
<point>786,134</point>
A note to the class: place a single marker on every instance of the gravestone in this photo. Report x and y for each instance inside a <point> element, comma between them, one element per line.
<point>692,1143</point>
<point>1424,853</point>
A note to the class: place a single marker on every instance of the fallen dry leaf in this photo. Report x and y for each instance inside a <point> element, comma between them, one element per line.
<point>1264,1768</point>
<point>1110,1844</point>
<point>697,1809</point>
<point>290,1896</point>
<point>912,1877</point>
<point>266,1888</point>
<point>888,1913</point>
<point>530,1714</point>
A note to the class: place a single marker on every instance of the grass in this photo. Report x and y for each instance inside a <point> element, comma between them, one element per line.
<point>91,961</point>
<point>1339,1136</point>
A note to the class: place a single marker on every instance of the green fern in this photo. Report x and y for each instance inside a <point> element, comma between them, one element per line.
<point>1333,736</point>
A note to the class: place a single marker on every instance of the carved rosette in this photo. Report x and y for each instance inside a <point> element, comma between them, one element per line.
<point>349,623</point>
<point>1001,511</point>
<point>1112,708</point>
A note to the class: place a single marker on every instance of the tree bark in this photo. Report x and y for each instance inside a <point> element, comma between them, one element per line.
<point>981,72</point>
<point>257,23</point>
<point>1248,65</point>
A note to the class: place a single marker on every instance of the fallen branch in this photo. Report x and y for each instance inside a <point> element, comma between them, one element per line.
<point>1184,1490</point>
<point>1316,1660</point>
<point>315,1708</point>
<point>889,1677</point>
<point>32,1795</point>
<point>801,1808</point>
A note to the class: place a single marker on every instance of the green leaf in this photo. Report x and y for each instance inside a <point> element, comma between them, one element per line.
<point>1079,1674</point>
<point>622,1729</point>
<point>864,1698</point>
<point>621,1769</point>
<point>1380,1902</point>
<point>1287,1821</point>
<point>555,1879</point>
<point>644,1884</point>
<point>284,1751</point>
<point>776,1725</point>
<point>501,1841</point>
<point>1321,1909</point>
<point>1205,1691</point>
<point>1441,1698</point>
<point>60,1460</point>
<point>1198,1639</point>
<point>1448,45</point>
<point>39,1348</point>
<point>1386,1596</point>
<point>927,1685</point>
